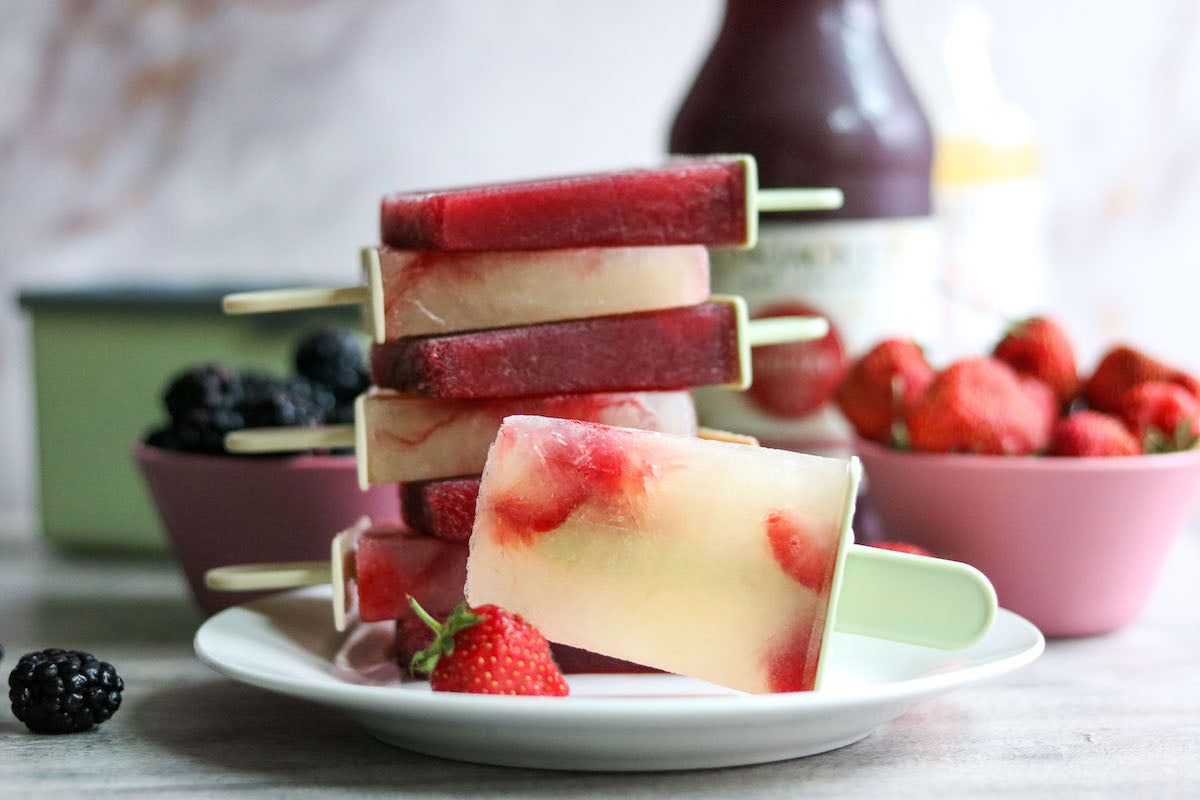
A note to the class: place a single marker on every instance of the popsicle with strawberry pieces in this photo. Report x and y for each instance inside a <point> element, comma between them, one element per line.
<point>723,562</point>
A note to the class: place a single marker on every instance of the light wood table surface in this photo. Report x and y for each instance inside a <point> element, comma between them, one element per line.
<point>1110,716</point>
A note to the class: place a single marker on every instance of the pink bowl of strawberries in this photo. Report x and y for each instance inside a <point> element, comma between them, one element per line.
<point>1066,492</point>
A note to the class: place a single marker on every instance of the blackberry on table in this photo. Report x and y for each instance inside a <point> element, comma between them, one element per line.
<point>334,358</point>
<point>63,691</point>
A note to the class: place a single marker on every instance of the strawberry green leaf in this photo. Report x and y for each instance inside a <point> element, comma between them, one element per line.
<point>424,661</point>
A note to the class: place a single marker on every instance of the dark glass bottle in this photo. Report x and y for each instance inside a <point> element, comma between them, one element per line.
<point>812,89</point>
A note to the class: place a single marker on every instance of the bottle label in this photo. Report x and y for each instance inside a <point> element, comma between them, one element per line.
<point>871,279</point>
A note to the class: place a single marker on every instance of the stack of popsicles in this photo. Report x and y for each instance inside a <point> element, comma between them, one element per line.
<point>584,298</point>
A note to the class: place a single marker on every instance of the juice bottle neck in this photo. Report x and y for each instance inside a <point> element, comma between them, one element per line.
<point>812,89</point>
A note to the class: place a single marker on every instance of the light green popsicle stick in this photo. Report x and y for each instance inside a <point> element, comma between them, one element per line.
<point>266,576</point>
<point>270,576</point>
<point>824,199</point>
<point>769,330</point>
<point>905,598</point>
<point>780,330</point>
<point>269,300</point>
<point>779,199</point>
<point>287,440</point>
<point>369,296</point>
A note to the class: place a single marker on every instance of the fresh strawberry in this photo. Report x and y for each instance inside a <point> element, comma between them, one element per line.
<point>1092,433</point>
<point>487,650</point>
<point>1164,416</point>
<point>979,405</point>
<point>1044,400</point>
<point>1123,368</point>
<point>903,547</point>
<point>1038,347</point>
<point>881,387</point>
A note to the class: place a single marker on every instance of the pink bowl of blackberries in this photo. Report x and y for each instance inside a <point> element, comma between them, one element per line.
<point>220,508</point>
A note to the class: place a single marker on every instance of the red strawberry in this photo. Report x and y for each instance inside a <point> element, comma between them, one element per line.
<point>1092,433</point>
<point>487,650</point>
<point>903,547</point>
<point>1165,416</point>
<point>1043,398</point>
<point>1123,368</point>
<point>979,405</point>
<point>881,387</point>
<point>1038,347</point>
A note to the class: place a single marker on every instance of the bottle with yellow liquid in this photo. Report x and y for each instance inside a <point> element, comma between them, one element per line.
<point>988,195</point>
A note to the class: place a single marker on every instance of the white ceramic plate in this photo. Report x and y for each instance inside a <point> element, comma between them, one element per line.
<point>610,722</point>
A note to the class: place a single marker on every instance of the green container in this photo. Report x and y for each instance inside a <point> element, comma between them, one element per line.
<point>101,359</point>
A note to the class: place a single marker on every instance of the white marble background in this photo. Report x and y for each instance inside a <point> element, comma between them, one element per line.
<point>201,139</point>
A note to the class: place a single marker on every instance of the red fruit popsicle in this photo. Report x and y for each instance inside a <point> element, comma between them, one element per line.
<point>702,345</point>
<point>378,566</point>
<point>444,508</point>
<point>728,563</point>
<point>697,200</point>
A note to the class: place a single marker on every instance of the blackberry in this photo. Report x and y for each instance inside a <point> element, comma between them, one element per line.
<point>334,358</point>
<point>340,414</point>
<point>164,438</point>
<point>198,431</point>
<point>63,691</point>
<point>317,395</point>
<point>204,431</point>
<point>203,388</point>
<point>273,402</point>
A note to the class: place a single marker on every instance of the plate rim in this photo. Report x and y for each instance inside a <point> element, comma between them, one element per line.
<point>330,690</point>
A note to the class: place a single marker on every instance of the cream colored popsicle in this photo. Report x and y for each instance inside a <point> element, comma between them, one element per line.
<point>400,439</point>
<point>706,558</point>
<point>414,293</point>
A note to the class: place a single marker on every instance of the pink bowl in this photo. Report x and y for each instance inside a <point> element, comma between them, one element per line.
<point>1072,544</point>
<point>220,510</point>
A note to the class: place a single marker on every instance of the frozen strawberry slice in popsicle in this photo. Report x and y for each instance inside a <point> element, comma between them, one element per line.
<point>701,345</point>
<point>695,200</point>
<point>711,559</point>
